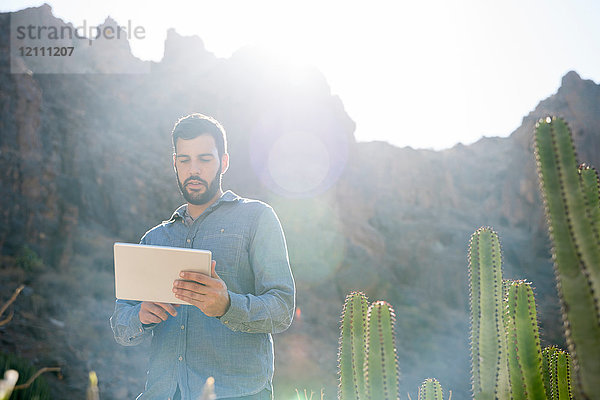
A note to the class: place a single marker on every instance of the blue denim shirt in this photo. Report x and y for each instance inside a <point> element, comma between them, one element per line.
<point>236,349</point>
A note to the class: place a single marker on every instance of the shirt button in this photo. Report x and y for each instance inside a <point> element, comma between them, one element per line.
<point>182,327</point>
<point>180,358</point>
<point>189,240</point>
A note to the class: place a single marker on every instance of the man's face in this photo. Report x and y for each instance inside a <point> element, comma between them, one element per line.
<point>198,168</point>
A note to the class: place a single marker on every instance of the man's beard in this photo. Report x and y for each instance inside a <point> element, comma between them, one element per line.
<point>196,198</point>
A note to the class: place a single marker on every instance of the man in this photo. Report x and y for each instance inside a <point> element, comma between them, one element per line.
<point>225,332</point>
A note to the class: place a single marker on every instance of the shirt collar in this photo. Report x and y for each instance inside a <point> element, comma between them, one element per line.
<point>228,196</point>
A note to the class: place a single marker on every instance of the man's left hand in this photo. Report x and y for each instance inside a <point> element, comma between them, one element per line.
<point>208,293</point>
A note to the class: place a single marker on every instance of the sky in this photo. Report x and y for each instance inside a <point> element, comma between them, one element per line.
<point>426,74</point>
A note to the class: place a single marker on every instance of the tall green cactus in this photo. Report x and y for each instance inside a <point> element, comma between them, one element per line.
<point>524,351</point>
<point>367,361</point>
<point>351,354</point>
<point>430,389</point>
<point>488,342</point>
<point>557,374</point>
<point>381,363</point>
<point>572,211</point>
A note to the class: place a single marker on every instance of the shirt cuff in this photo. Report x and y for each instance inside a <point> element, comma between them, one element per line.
<point>234,314</point>
<point>138,328</point>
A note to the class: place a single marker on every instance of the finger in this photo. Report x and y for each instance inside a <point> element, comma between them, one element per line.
<point>157,310</point>
<point>190,297</point>
<point>196,277</point>
<point>152,319</point>
<point>187,299</point>
<point>194,293</point>
<point>191,286</point>
<point>168,308</point>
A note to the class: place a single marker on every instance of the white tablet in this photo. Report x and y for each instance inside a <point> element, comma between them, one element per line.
<point>147,273</point>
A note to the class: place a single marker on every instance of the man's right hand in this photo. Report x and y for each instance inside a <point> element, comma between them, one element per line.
<point>153,313</point>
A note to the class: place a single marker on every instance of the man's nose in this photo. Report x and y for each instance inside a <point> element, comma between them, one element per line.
<point>196,166</point>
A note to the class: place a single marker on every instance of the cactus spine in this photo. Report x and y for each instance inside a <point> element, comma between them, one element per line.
<point>381,364</point>
<point>570,208</point>
<point>488,342</point>
<point>524,351</point>
<point>367,361</point>
<point>352,343</point>
<point>430,389</point>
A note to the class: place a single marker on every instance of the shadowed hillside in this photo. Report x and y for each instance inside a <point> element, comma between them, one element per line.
<point>85,160</point>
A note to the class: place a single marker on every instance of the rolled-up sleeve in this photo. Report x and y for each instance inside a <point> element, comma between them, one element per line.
<point>271,308</point>
<point>126,325</point>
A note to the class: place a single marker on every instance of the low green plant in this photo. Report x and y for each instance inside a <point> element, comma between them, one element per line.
<point>306,396</point>
<point>28,260</point>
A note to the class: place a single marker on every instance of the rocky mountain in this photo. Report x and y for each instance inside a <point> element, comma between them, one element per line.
<point>85,161</point>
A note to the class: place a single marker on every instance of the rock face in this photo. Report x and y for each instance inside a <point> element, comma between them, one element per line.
<point>85,160</point>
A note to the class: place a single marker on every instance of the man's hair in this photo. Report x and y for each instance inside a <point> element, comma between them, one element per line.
<point>197,124</point>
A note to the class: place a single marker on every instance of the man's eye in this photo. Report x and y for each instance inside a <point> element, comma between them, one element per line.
<point>184,161</point>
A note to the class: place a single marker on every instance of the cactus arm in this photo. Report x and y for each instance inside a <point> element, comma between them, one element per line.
<point>381,364</point>
<point>352,347</point>
<point>431,389</point>
<point>579,299</point>
<point>524,344</point>
<point>487,333</point>
<point>547,374</point>
<point>562,375</point>
<point>580,225</point>
<point>515,375</point>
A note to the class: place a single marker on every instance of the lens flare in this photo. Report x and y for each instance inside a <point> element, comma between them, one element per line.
<point>298,162</point>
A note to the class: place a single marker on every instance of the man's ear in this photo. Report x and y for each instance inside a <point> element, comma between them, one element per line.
<point>224,163</point>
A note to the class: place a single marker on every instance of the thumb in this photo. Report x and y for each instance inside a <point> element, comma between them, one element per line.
<point>213,272</point>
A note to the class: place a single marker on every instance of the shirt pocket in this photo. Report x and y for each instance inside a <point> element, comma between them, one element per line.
<point>226,250</point>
